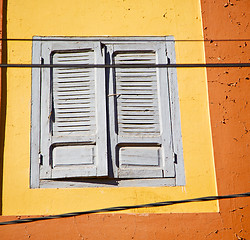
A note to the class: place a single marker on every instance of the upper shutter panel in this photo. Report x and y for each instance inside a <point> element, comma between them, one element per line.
<point>138,110</point>
<point>143,146</point>
<point>74,95</point>
<point>76,114</point>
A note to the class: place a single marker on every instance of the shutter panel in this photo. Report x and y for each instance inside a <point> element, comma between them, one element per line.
<point>143,145</point>
<point>73,112</point>
<point>74,95</point>
<point>138,113</point>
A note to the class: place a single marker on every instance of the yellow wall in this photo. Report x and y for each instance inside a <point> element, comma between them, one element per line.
<point>179,18</point>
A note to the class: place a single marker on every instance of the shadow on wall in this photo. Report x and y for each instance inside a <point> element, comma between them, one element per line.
<point>3,98</point>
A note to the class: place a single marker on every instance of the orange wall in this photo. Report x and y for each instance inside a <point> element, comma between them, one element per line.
<point>2,113</point>
<point>230,113</point>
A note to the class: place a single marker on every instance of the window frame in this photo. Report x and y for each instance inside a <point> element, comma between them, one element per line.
<point>178,180</point>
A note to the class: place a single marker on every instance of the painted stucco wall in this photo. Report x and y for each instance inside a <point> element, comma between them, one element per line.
<point>228,100</point>
<point>107,18</point>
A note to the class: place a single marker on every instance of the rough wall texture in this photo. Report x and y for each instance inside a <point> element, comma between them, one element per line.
<point>229,105</point>
<point>113,18</point>
<point>1,104</point>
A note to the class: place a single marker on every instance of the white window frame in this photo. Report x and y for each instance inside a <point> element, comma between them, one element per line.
<point>176,179</point>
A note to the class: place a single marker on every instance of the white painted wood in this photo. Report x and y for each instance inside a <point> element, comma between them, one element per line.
<point>137,82</point>
<point>72,172</point>
<point>153,141</point>
<point>71,100</point>
<point>46,113</point>
<point>73,112</point>
<point>73,155</point>
<point>139,156</point>
<point>81,113</point>
<point>165,114</point>
<point>35,116</point>
<point>140,173</point>
<point>112,124</point>
<point>59,140</point>
<point>109,183</point>
<point>101,108</point>
<point>175,113</point>
<point>141,111</point>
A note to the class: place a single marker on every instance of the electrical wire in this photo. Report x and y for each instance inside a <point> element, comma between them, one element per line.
<point>116,39</point>
<point>185,65</point>
<point>121,208</point>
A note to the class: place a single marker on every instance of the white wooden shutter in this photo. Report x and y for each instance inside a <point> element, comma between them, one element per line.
<point>142,144</point>
<point>73,112</point>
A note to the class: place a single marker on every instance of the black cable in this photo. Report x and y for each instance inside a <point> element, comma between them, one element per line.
<point>120,208</point>
<point>185,65</point>
<point>116,39</point>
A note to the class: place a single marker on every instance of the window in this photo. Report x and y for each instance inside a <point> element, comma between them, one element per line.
<point>113,126</point>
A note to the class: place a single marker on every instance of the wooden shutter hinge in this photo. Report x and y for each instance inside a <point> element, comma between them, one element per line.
<point>40,159</point>
<point>175,158</point>
<point>41,60</point>
<point>102,48</point>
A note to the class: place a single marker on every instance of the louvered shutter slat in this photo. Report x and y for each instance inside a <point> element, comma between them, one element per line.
<point>78,98</point>
<point>143,83</point>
